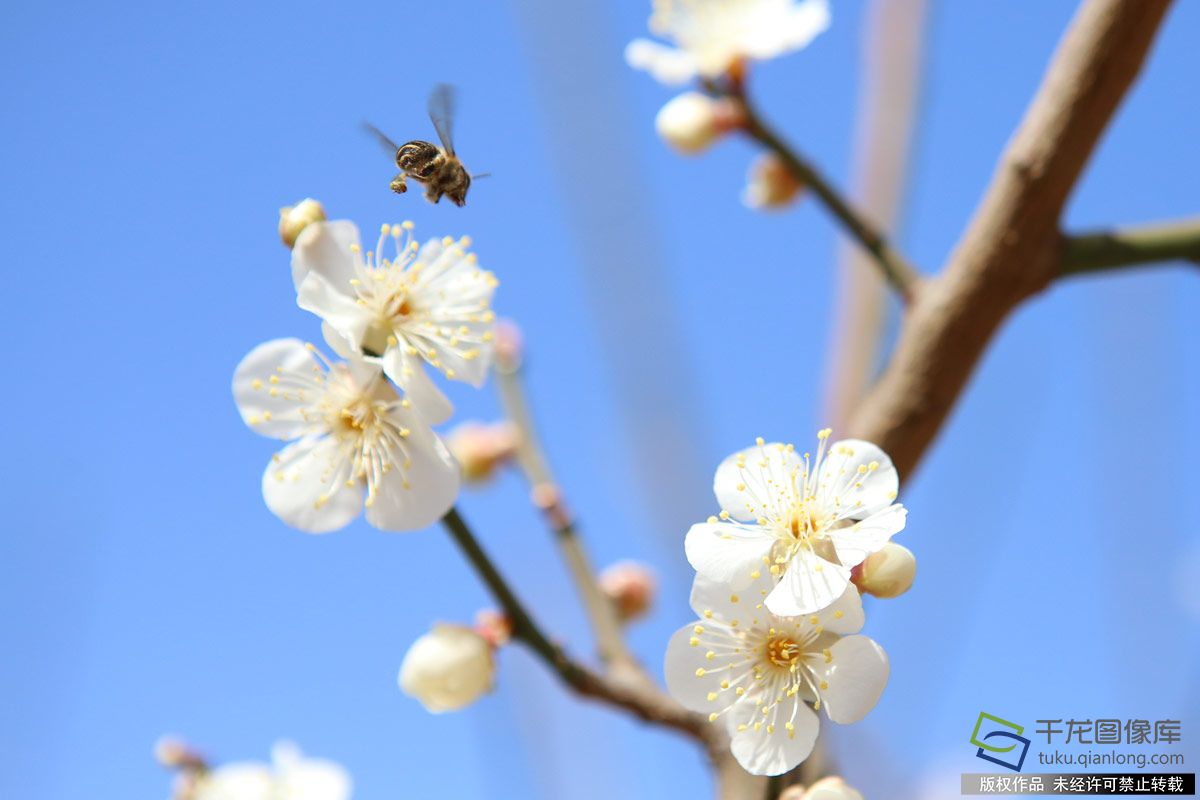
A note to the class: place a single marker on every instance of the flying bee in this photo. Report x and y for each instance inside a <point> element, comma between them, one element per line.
<point>437,167</point>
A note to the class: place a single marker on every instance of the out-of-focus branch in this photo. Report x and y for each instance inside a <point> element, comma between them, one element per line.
<point>1012,247</point>
<point>898,272</point>
<point>891,46</point>
<point>610,642</point>
<point>1101,251</point>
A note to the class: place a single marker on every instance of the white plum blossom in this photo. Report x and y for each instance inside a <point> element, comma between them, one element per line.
<point>805,521</point>
<point>830,788</point>
<point>352,437</point>
<point>713,35</point>
<point>290,776</point>
<point>448,668</point>
<point>766,677</point>
<point>422,303</point>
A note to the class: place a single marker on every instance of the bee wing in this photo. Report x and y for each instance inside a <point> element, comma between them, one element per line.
<point>441,113</point>
<point>387,143</point>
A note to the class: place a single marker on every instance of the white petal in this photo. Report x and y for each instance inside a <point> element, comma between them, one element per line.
<point>850,486</point>
<point>305,486</point>
<point>408,372</point>
<point>765,482</point>
<point>772,753</point>
<point>855,543</point>
<point>727,552</point>
<point>414,496</point>
<point>308,778</point>
<point>856,677</point>
<point>792,30</point>
<point>666,64</point>
<point>336,307</point>
<point>236,781</point>
<point>721,601</point>
<point>845,615</point>
<point>809,584</point>
<point>324,248</point>
<point>684,662</point>
<point>263,387</point>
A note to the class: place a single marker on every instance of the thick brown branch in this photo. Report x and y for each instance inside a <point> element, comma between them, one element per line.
<point>1100,251</point>
<point>1012,247</point>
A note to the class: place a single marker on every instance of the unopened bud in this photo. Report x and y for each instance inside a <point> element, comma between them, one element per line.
<point>294,219</point>
<point>493,625</point>
<point>770,184</point>
<point>508,344</point>
<point>631,587</point>
<point>831,788</point>
<point>888,572</point>
<point>481,449</point>
<point>177,754</point>
<point>691,122</point>
<point>448,668</point>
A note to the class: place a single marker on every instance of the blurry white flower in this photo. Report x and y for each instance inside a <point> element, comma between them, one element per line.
<point>770,184</point>
<point>712,35</point>
<point>888,572</point>
<point>804,521</point>
<point>831,788</point>
<point>353,435</point>
<point>448,668</point>
<point>290,777</point>
<point>759,672</point>
<point>630,585</point>
<point>423,303</point>
<point>294,219</point>
<point>481,449</point>
<point>692,121</point>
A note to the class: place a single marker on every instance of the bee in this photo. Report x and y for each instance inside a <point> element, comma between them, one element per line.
<point>439,168</point>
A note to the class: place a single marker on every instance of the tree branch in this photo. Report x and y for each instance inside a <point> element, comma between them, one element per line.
<point>1100,251</point>
<point>624,688</point>
<point>1012,247</point>
<point>896,270</point>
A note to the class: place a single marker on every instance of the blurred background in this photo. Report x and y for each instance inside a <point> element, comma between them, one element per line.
<point>147,590</point>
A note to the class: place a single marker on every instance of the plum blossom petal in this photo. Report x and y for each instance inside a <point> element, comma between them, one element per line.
<point>764,745</point>
<point>858,478</point>
<point>854,676</point>
<point>750,481</point>
<point>726,552</point>
<point>854,543</point>
<point>810,583</point>
<point>326,249</point>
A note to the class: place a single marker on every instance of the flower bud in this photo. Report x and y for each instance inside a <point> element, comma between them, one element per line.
<point>508,344</point>
<point>886,573</point>
<point>177,754</point>
<point>481,449</point>
<point>770,184</point>
<point>631,586</point>
<point>293,219</point>
<point>493,625</point>
<point>831,788</point>
<point>448,668</point>
<point>693,121</point>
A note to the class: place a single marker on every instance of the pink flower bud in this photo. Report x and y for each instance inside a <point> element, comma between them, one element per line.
<point>482,448</point>
<point>770,184</point>
<point>493,625</point>
<point>631,586</point>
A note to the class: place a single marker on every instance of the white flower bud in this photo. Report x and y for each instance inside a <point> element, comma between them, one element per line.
<point>693,121</point>
<point>770,184</point>
<point>481,449</point>
<point>448,668</point>
<point>630,586</point>
<point>886,573</point>
<point>831,788</point>
<point>294,219</point>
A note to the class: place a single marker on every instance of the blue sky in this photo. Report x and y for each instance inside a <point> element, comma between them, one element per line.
<point>148,590</point>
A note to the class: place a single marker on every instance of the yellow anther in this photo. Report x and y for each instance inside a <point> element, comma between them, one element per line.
<point>700,672</point>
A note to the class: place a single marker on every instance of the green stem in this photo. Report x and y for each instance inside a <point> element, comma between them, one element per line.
<point>1099,251</point>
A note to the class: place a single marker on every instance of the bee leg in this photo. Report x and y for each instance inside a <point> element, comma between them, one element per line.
<point>432,193</point>
<point>399,184</point>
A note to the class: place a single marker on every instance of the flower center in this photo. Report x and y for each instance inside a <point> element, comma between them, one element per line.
<point>783,652</point>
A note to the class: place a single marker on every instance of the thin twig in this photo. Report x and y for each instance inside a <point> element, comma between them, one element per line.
<point>1100,251</point>
<point>896,270</point>
<point>547,495</point>
<point>625,690</point>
